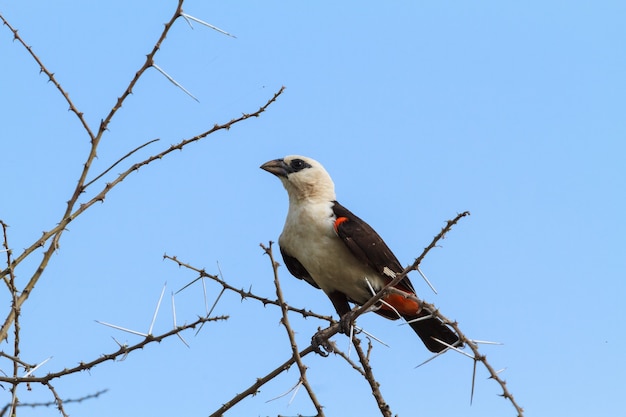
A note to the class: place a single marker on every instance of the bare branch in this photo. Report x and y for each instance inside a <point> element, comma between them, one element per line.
<point>244,294</point>
<point>121,352</point>
<point>290,334</point>
<point>120,160</point>
<point>55,233</point>
<point>50,75</point>
<point>369,376</point>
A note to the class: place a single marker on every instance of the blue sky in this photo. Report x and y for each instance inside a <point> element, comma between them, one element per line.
<point>418,110</point>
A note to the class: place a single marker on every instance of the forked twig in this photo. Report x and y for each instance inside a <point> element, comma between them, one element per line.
<point>290,333</point>
<point>121,352</point>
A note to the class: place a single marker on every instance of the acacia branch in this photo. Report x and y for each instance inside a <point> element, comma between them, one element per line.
<point>121,352</point>
<point>54,233</point>
<point>259,382</point>
<point>413,267</point>
<point>79,189</point>
<point>292,338</point>
<point>50,75</point>
<point>493,374</point>
<point>243,293</point>
<point>51,403</point>
<point>369,376</point>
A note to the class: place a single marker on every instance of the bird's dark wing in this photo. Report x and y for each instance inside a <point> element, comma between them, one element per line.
<point>366,245</point>
<point>295,267</point>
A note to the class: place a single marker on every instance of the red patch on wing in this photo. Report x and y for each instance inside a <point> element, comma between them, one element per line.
<point>339,221</point>
<point>403,305</point>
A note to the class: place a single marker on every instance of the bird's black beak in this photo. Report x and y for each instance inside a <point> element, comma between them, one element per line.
<point>277,167</point>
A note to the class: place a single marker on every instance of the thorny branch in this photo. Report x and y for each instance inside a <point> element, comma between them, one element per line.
<point>4,410</point>
<point>242,293</point>
<point>50,76</point>
<point>102,194</point>
<point>52,238</point>
<point>292,338</point>
<point>121,352</point>
<point>80,187</point>
<point>334,328</point>
<point>413,267</point>
<point>369,376</point>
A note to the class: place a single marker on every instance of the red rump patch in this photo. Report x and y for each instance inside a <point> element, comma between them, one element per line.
<point>402,304</point>
<point>339,221</point>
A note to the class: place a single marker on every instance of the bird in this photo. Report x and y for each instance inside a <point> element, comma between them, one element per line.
<point>329,247</point>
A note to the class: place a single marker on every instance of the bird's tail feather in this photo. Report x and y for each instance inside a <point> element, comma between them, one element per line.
<point>429,328</point>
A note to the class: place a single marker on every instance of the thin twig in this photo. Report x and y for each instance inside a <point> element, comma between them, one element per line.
<point>290,333</point>
<point>51,403</point>
<point>55,232</point>
<point>369,376</point>
<point>259,382</point>
<point>120,160</point>
<point>121,352</point>
<point>68,216</point>
<point>242,293</point>
<point>50,75</point>
<point>399,277</point>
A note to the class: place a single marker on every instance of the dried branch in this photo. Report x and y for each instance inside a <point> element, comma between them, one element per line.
<point>242,293</point>
<point>55,232</point>
<point>120,160</point>
<point>80,187</point>
<point>399,277</point>
<point>478,357</point>
<point>53,80</point>
<point>121,352</point>
<point>259,382</point>
<point>57,400</point>
<point>15,309</point>
<point>4,410</point>
<point>369,376</point>
<point>290,333</point>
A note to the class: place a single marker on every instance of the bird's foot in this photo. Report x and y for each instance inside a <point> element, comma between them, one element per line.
<point>346,322</point>
<point>321,343</point>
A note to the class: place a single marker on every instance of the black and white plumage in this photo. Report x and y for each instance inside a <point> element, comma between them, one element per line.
<point>329,247</point>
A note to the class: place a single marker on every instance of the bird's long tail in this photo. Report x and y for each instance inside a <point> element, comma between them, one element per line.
<point>429,328</point>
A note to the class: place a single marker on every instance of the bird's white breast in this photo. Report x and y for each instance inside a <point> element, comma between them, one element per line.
<point>309,236</point>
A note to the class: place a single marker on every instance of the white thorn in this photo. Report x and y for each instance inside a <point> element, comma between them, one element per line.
<point>432,357</point>
<point>187,20</point>
<point>426,279</point>
<point>182,340</point>
<point>121,328</point>
<point>288,391</point>
<point>449,346</point>
<point>418,319</point>
<point>350,340</point>
<point>295,391</point>
<point>173,81</point>
<point>381,301</point>
<point>202,22</point>
<point>173,310</point>
<point>486,342</point>
<point>156,311</point>
<point>371,336</point>
<point>27,374</point>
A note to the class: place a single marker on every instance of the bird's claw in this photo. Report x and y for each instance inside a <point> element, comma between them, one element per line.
<point>346,322</point>
<point>321,344</point>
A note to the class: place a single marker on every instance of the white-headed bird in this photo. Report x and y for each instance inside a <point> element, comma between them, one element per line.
<point>326,245</point>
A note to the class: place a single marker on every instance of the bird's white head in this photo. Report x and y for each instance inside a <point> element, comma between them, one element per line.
<point>304,178</point>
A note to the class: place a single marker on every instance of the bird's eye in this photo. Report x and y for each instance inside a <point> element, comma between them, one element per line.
<point>298,164</point>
